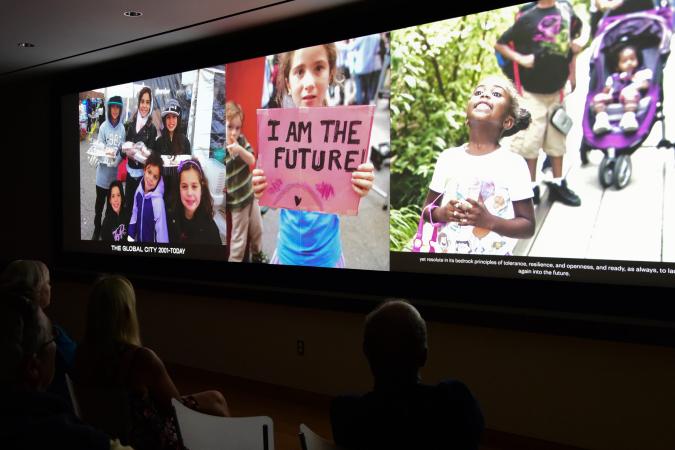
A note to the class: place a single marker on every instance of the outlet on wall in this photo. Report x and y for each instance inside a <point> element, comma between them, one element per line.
<point>300,347</point>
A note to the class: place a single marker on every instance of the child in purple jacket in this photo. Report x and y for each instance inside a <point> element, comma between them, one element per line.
<point>148,219</point>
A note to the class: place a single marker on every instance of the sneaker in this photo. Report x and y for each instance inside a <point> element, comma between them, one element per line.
<point>629,123</point>
<point>536,197</point>
<point>602,125</point>
<point>546,165</point>
<point>563,194</point>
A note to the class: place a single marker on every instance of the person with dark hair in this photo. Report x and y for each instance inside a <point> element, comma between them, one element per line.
<point>31,417</point>
<point>139,129</point>
<point>191,220</point>
<point>113,356</point>
<point>172,142</point>
<point>112,135</point>
<point>114,228</point>
<point>480,195</point>
<point>401,412</point>
<point>30,279</point>
<point>623,86</point>
<point>148,217</point>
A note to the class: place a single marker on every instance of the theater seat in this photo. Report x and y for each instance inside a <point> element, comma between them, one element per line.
<point>201,431</point>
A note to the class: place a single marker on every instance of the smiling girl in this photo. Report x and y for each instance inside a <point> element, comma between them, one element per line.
<point>148,219</point>
<point>192,219</point>
<point>172,142</point>
<point>114,227</point>
<point>139,129</point>
<point>480,193</point>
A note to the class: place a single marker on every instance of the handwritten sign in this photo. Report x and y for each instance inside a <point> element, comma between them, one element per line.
<point>309,154</point>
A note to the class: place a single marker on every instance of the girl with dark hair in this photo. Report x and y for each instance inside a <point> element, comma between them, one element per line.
<point>139,129</point>
<point>480,197</point>
<point>111,135</point>
<point>115,224</point>
<point>172,142</point>
<point>148,216</point>
<point>192,221</point>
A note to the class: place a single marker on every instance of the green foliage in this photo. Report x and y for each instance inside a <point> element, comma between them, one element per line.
<point>403,224</point>
<point>434,69</point>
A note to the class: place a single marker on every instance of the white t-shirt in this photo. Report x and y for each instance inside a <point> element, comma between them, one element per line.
<point>498,179</point>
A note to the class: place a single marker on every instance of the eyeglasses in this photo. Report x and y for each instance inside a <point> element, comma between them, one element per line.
<point>41,347</point>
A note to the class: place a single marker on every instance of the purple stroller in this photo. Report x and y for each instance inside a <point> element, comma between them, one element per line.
<point>649,32</point>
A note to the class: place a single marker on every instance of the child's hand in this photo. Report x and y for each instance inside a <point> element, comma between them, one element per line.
<point>259,182</point>
<point>526,61</point>
<point>477,215</point>
<point>451,212</point>
<point>235,149</point>
<point>362,179</point>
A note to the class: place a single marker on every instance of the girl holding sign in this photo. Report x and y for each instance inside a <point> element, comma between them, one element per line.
<point>310,238</point>
<point>480,194</point>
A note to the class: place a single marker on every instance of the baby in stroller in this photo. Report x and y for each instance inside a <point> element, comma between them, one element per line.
<point>623,86</point>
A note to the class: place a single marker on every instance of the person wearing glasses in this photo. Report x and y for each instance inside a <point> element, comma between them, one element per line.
<point>31,417</point>
<point>191,220</point>
<point>30,279</point>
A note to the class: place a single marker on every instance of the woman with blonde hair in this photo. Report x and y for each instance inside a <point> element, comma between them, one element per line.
<point>112,355</point>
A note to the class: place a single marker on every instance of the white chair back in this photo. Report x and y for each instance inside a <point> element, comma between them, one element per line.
<point>73,397</point>
<point>309,440</point>
<point>201,431</point>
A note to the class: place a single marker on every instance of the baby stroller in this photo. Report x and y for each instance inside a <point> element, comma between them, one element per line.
<point>649,32</point>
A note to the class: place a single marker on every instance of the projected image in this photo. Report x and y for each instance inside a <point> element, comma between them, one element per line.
<point>470,175</point>
<point>317,134</point>
<point>146,175</point>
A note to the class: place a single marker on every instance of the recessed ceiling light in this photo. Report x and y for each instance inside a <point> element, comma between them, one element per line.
<point>133,13</point>
<point>25,45</point>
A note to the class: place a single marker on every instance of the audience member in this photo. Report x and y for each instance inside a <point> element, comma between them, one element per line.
<point>30,279</point>
<point>112,355</point>
<point>401,412</point>
<point>30,417</point>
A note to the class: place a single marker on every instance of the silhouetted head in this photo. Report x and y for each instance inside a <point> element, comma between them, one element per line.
<point>28,278</point>
<point>395,342</point>
<point>27,347</point>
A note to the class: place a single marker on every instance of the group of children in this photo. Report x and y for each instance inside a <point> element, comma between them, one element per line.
<point>305,238</point>
<point>479,196</point>
<point>142,215</point>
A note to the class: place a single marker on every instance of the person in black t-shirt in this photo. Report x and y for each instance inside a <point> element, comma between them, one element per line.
<point>545,39</point>
<point>400,412</point>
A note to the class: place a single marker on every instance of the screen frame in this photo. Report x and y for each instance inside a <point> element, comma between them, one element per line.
<point>596,310</point>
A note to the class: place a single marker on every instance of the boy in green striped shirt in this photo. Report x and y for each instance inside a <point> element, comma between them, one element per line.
<point>246,218</point>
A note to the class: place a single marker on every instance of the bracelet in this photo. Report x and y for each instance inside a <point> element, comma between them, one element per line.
<point>431,208</point>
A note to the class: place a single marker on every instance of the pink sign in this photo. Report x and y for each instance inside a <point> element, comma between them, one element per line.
<point>309,154</point>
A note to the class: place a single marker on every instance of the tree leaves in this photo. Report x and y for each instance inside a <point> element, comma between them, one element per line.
<point>434,69</point>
